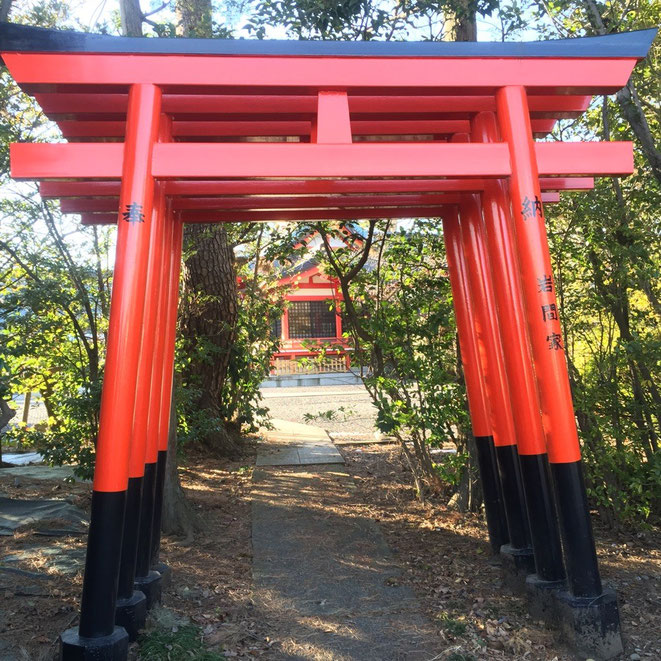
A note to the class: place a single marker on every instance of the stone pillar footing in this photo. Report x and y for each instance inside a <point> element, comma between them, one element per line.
<point>151,585</point>
<point>517,564</point>
<point>114,647</point>
<point>542,602</point>
<point>166,574</point>
<point>132,614</point>
<point>591,625</point>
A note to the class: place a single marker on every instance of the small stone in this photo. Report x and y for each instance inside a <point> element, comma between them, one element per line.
<point>17,482</point>
<point>634,657</point>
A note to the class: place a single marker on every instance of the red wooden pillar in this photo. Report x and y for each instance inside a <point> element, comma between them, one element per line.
<point>97,620</point>
<point>148,581</point>
<point>132,604</point>
<point>166,399</point>
<point>519,368</point>
<point>478,402</point>
<point>543,317</point>
<point>491,359</point>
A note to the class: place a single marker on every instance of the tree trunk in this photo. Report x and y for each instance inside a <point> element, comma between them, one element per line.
<point>210,299</point>
<point>463,22</point>
<point>5,8</point>
<point>6,414</point>
<point>208,324</point>
<point>131,17</point>
<point>179,517</point>
<point>627,99</point>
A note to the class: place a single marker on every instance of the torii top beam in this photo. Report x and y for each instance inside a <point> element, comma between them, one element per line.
<point>374,109</point>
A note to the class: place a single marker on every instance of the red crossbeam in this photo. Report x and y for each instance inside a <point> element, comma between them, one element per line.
<point>211,129</point>
<point>216,160</point>
<point>564,75</point>
<point>210,216</point>
<point>64,189</point>
<point>109,129</point>
<point>270,106</point>
<point>264,203</point>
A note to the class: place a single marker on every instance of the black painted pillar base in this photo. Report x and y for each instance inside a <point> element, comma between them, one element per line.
<point>166,574</point>
<point>542,515</point>
<point>591,625</point>
<point>132,614</point>
<point>114,647</point>
<point>493,503</point>
<point>516,565</point>
<point>542,602</point>
<point>151,586</point>
<point>514,499</point>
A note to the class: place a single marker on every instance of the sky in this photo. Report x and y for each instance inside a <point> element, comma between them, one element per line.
<point>91,12</point>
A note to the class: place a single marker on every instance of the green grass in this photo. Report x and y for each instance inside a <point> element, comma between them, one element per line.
<point>452,626</point>
<point>456,656</point>
<point>184,644</point>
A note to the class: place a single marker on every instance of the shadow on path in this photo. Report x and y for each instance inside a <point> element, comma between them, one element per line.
<point>325,579</point>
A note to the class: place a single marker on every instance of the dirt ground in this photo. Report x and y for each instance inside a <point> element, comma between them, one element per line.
<point>444,556</point>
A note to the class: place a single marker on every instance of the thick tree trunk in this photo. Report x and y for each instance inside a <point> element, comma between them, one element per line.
<point>630,105</point>
<point>210,300</point>
<point>5,8</point>
<point>463,22</point>
<point>6,414</point>
<point>179,517</point>
<point>131,17</point>
<point>208,323</point>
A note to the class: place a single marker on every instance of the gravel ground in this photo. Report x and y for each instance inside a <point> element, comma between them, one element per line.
<point>343,411</point>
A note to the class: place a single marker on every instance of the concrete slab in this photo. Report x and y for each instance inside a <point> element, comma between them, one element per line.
<point>294,444</point>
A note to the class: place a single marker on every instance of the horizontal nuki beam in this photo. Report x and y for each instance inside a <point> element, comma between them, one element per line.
<point>67,189</point>
<point>293,215</point>
<point>266,203</point>
<point>295,160</point>
<point>81,129</point>
<point>271,107</point>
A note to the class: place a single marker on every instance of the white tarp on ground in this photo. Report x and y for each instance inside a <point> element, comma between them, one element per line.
<point>22,459</point>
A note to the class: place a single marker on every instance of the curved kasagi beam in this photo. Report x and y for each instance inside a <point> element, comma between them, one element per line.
<point>23,38</point>
<point>46,59</point>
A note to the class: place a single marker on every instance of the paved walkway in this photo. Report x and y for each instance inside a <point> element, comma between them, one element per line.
<point>324,578</point>
<point>293,444</point>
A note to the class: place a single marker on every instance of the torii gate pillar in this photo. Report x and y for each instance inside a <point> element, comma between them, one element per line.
<point>97,616</point>
<point>587,608</point>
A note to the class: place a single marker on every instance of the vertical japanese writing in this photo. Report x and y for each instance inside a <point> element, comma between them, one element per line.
<point>133,213</point>
<point>555,341</point>
<point>549,312</point>
<point>531,208</point>
<point>544,284</point>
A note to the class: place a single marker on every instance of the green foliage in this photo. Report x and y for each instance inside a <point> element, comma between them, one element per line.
<point>261,303</point>
<point>451,468</point>
<point>183,643</point>
<point>607,261</point>
<point>331,414</point>
<point>363,20</point>
<point>452,626</point>
<point>398,311</point>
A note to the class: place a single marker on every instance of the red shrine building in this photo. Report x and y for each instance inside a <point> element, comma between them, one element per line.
<point>312,321</point>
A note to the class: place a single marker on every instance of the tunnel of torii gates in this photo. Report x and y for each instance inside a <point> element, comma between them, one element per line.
<point>163,132</point>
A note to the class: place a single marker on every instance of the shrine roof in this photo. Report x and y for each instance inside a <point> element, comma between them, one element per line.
<point>23,38</point>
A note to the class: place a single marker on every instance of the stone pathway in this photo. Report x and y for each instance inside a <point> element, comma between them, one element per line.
<point>293,444</point>
<point>325,579</point>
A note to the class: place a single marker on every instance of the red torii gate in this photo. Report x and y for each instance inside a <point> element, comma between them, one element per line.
<point>172,131</point>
